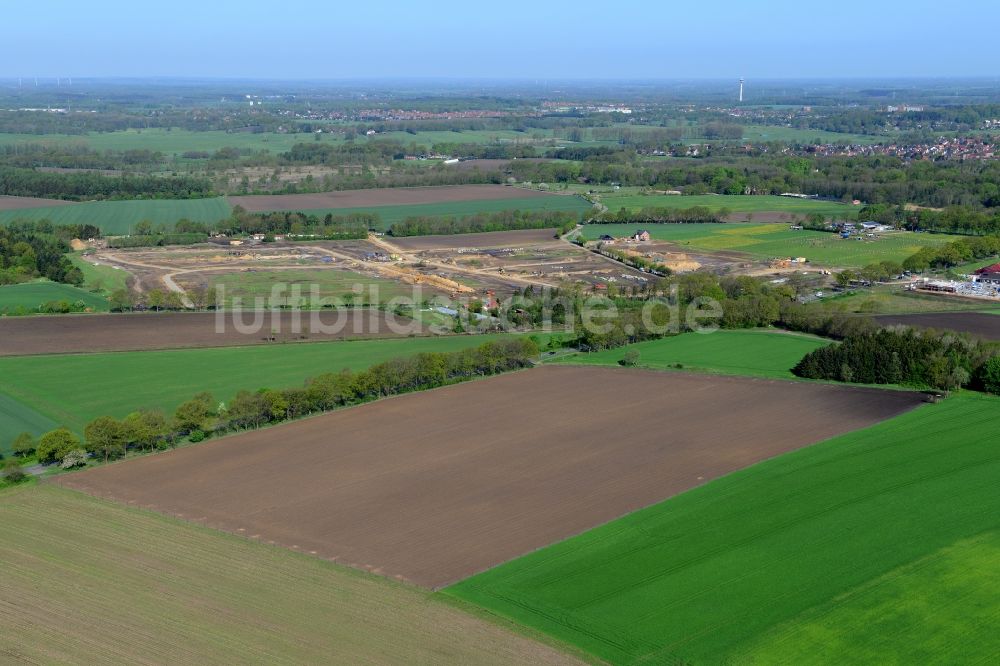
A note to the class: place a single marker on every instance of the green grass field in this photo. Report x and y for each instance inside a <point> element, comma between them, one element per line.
<point>756,353</point>
<point>16,417</point>
<point>88,581</point>
<point>392,214</point>
<point>120,217</point>
<point>841,551</point>
<point>73,389</point>
<point>765,241</point>
<point>102,277</point>
<point>736,204</point>
<point>331,283</point>
<point>30,295</point>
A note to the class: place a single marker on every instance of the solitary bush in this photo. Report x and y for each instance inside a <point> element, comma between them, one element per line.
<point>630,359</point>
<point>75,458</point>
<point>13,472</point>
<point>24,445</point>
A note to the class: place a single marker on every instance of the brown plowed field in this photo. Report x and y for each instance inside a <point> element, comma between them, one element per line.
<point>396,196</point>
<point>23,203</point>
<point>67,334</point>
<point>435,486</point>
<point>978,324</point>
<point>483,240</point>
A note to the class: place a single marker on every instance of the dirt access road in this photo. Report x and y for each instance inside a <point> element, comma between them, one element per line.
<point>435,486</point>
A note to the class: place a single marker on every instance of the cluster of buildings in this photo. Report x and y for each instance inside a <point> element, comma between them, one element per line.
<point>961,148</point>
<point>983,283</point>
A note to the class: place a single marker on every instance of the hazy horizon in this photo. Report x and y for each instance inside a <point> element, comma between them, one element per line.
<point>518,41</point>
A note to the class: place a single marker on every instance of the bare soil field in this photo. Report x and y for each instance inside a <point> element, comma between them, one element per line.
<point>978,324</point>
<point>66,334</point>
<point>435,486</point>
<point>23,203</point>
<point>398,196</point>
<point>488,239</point>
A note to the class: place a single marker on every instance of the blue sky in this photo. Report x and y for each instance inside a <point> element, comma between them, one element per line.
<point>509,39</point>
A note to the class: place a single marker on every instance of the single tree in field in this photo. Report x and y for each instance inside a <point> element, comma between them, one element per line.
<point>23,445</point>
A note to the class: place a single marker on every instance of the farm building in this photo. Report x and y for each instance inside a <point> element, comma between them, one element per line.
<point>605,238</point>
<point>640,235</point>
<point>988,274</point>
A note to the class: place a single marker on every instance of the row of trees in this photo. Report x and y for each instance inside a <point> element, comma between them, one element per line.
<point>955,253</point>
<point>657,215</point>
<point>107,438</point>
<point>508,220</point>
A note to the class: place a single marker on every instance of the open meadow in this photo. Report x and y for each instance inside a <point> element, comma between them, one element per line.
<point>410,487</point>
<point>89,581</point>
<point>766,241</point>
<point>30,295</point>
<point>120,217</point>
<point>752,353</point>
<point>874,546</point>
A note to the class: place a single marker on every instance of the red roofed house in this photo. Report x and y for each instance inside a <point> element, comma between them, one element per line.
<point>988,274</point>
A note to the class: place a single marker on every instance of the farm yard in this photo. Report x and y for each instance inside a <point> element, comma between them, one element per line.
<point>875,546</point>
<point>120,217</point>
<point>752,353</point>
<point>122,382</point>
<point>130,586</point>
<point>393,488</point>
<point>765,241</point>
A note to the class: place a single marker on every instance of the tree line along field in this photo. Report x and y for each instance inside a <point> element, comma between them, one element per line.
<point>735,203</point>
<point>389,215</point>
<point>765,241</point>
<point>120,217</point>
<point>769,354</point>
<point>876,546</point>
<point>35,391</point>
<point>30,295</point>
<point>96,582</point>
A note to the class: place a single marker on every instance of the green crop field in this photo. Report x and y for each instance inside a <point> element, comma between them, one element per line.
<point>878,546</point>
<point>16,417</point>
<point>735,203</point>
<point>765,241</point>
<point>73,389</point>
<point>89,581</point>
<point>30,295</point>
<point>392,214</point>
<point>873,524</point>
<point>120,217</point>
<point>757,353</point>
<point>796,135</point>
<point>330,283</point>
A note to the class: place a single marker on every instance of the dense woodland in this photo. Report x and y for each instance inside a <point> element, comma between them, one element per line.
<point>27,252</point>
